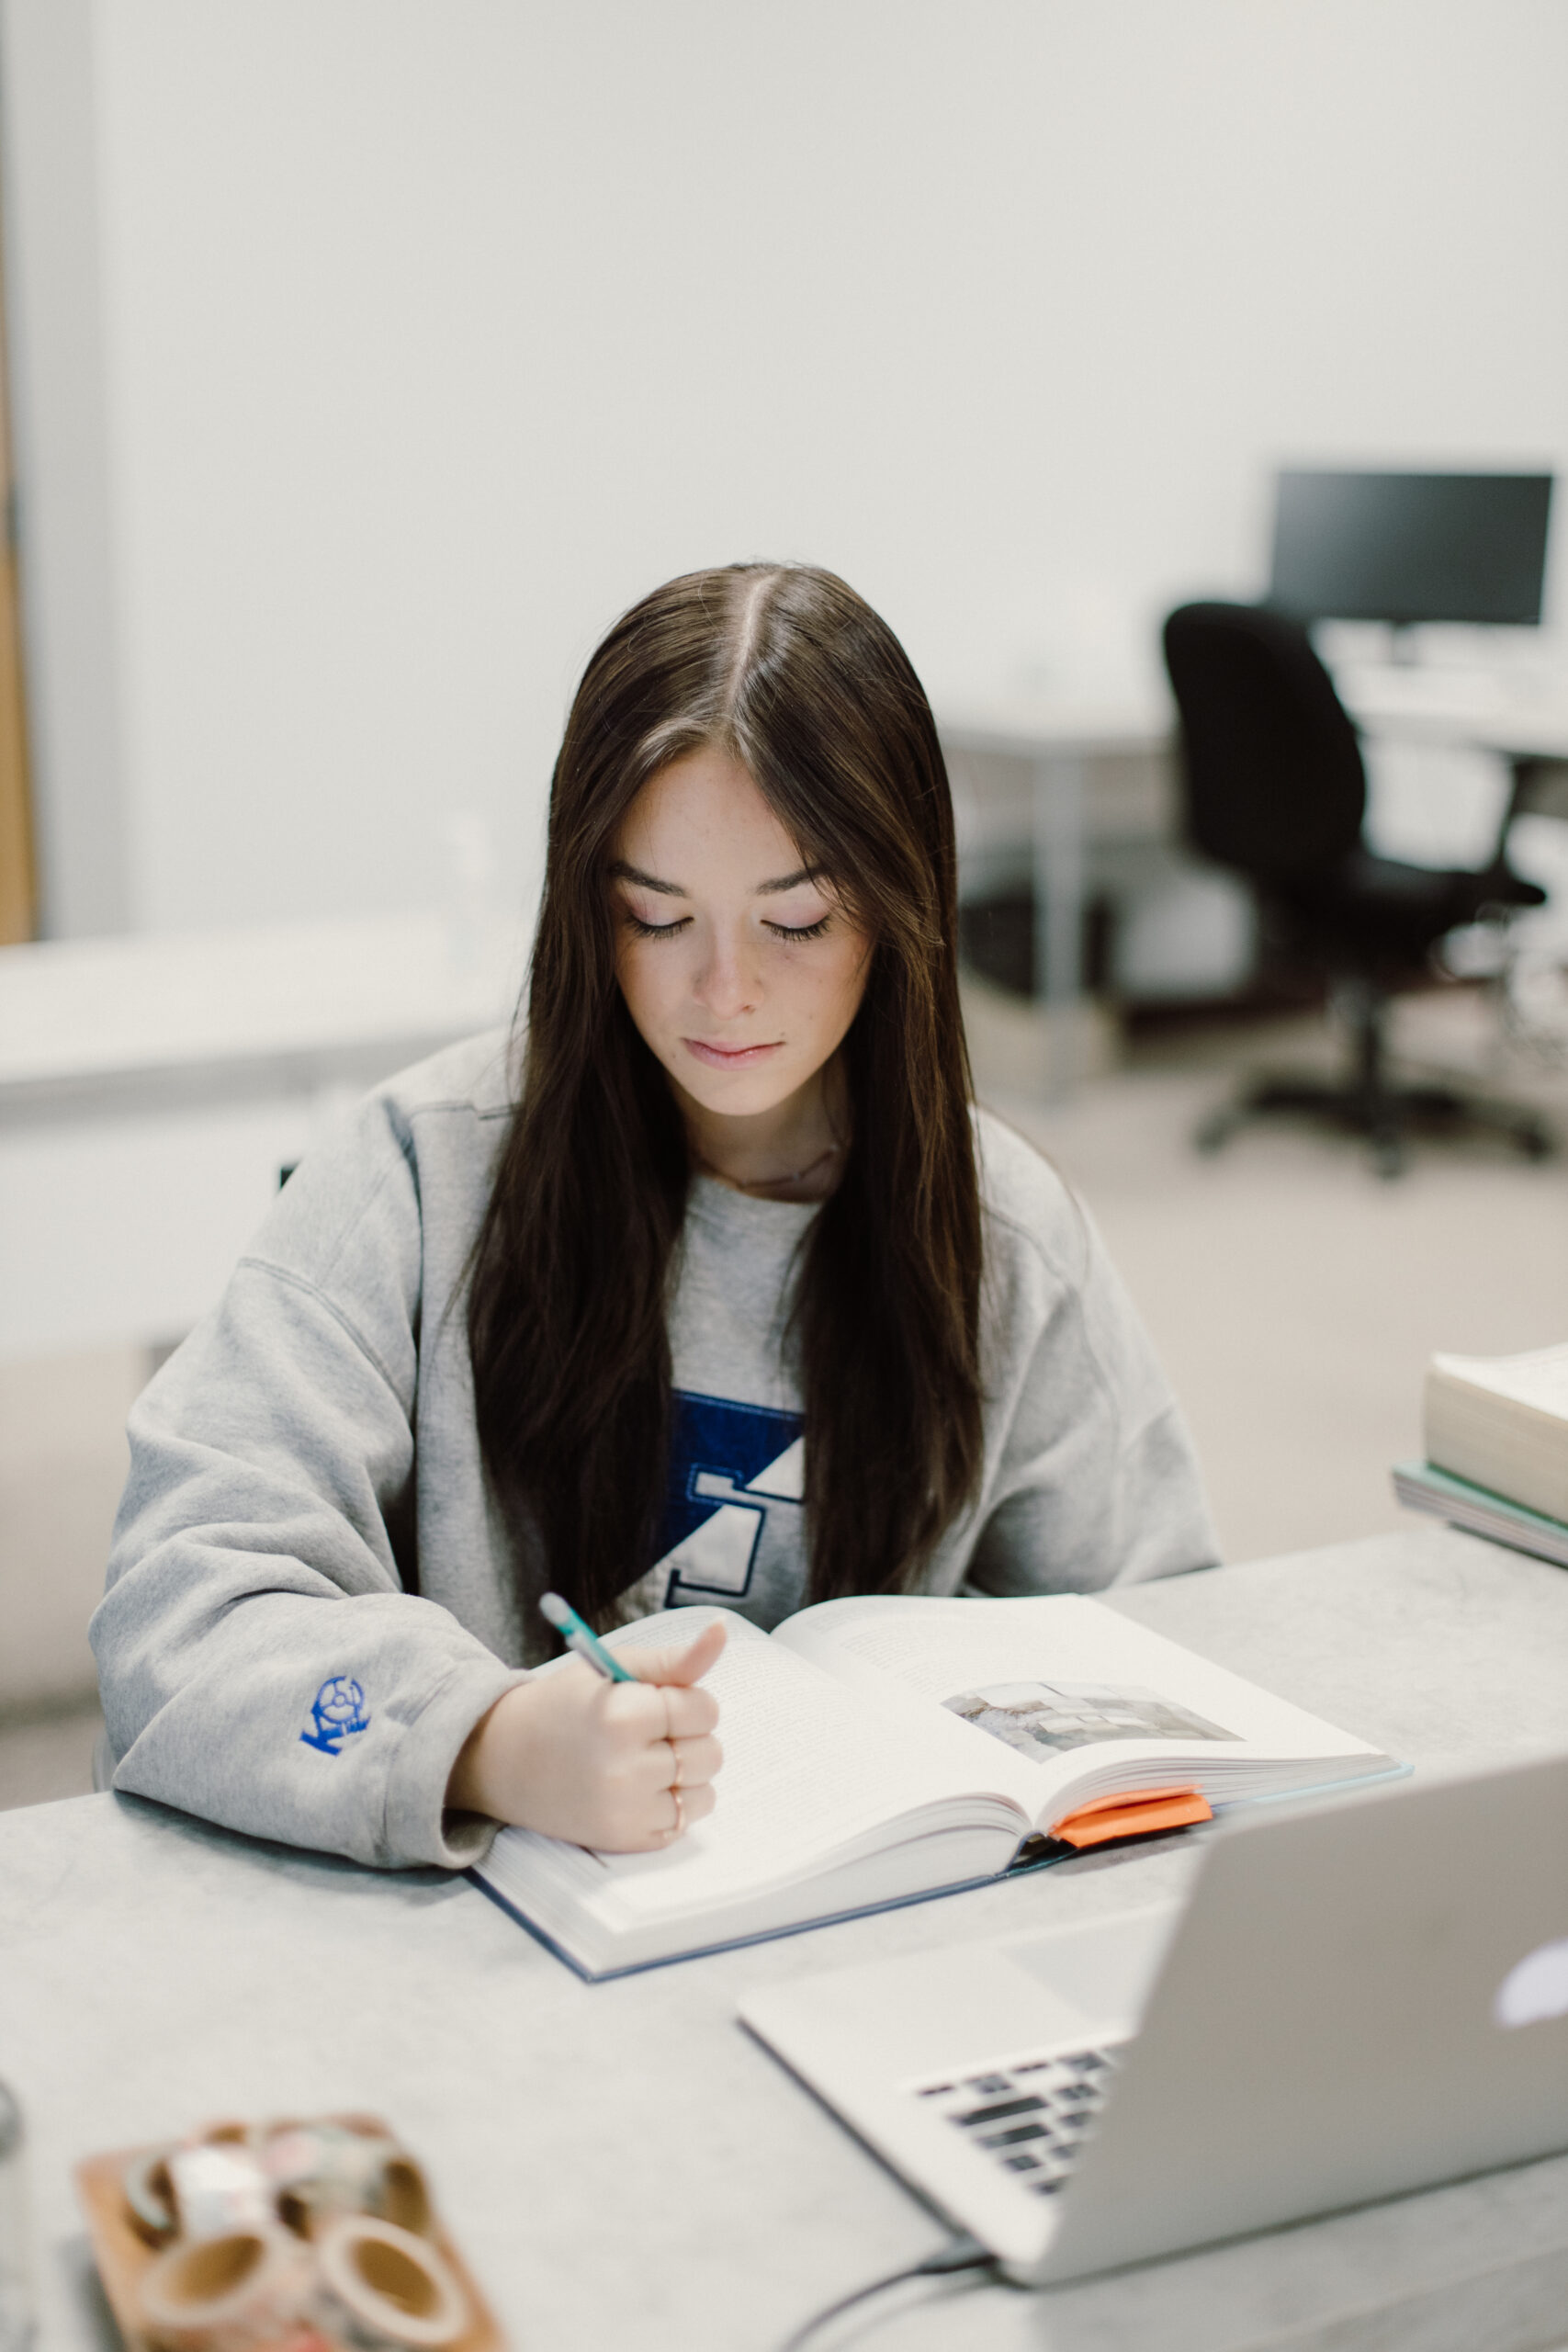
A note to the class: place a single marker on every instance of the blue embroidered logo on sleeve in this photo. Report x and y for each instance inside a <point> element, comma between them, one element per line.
<point>337,1709</point>
<point>731,1465</point>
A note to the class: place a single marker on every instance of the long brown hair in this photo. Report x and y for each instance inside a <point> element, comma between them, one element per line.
<point>783,667</point>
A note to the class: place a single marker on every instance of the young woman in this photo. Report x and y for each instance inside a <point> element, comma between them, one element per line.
<point>722,1291</point>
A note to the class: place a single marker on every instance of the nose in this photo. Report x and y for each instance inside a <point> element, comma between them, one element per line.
<point>726,986</point>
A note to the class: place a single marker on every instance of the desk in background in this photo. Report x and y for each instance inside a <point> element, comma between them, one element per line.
<point>151,1089</point>
<point>622,2163</point>
<point>1061,742</point>
<point>1064,742</point>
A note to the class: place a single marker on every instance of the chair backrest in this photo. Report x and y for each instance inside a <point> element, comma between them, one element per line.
<point>1273,771</point>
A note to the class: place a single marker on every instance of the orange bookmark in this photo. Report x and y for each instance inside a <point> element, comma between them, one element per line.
<point>1136,1813</point>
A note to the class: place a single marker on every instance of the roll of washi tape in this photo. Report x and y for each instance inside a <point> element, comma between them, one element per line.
<point>220,2189</point>
<point>318,2169</point>
<point>404,2198</point>
<point>226,2294</point>
<point>147,2191</point>
<point>382,2289</point>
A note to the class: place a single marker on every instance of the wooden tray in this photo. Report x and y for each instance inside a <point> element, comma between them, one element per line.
<point>123,2254</point>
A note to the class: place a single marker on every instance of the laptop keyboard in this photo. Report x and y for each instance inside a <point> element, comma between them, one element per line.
<point>1032,2116</point>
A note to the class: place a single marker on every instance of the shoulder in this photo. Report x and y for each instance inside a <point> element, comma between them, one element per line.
<point>407,1169</point>
<point>472,1080</point>
<point>1034,1223</point>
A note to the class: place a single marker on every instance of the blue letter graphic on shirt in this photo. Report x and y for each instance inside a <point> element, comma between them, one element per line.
<point>337,1709</point>
<point>727,1464</point>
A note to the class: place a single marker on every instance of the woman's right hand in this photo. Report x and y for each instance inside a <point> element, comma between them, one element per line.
<point>600,1763</point>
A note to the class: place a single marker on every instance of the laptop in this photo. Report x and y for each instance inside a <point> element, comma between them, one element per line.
<point>1354,2001</point>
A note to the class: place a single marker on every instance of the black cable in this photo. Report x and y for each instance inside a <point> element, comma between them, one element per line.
<point>962,2253</point>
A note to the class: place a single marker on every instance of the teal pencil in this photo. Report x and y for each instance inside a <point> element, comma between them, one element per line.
<point>581,1638</point>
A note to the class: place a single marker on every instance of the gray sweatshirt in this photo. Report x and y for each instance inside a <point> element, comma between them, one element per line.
<point>311,1595</point>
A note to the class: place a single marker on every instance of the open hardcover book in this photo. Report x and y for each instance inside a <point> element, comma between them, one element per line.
<point>881,1749</point>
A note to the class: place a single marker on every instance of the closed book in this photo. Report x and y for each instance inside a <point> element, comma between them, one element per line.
<point>1501,1422</point>
<point>1480,1512</point>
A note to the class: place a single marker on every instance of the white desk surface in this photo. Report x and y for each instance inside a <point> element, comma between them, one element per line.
<point>622,2163</point>
<point>1525,717</point>
<point>1059,726</point>
<point>151,1089</point>
<point>76,1012</point>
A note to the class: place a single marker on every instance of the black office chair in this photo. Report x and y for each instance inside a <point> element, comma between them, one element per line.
<point>1277,790</point>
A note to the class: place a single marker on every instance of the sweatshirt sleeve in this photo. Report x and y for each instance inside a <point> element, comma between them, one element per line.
<point>1097,1482</point>
<point>261,1662</point>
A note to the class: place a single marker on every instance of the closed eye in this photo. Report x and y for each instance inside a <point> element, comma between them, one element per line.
<point>804,930</point>
<point>641,929</point>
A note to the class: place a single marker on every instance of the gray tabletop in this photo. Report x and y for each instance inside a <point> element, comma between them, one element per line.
<point>621,2163</point>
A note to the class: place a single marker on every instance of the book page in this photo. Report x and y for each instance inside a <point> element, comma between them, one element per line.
<point>1063,1683</point>
<point>808,1767</point>
<point>1538,1379</point>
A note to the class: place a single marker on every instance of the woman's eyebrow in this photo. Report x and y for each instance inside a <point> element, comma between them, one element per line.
<point>621,872</point>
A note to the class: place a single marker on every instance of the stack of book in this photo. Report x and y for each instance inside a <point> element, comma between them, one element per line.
<point>1496,1433</point>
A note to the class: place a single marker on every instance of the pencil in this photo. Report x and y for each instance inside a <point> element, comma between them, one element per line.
<point>580,1638</point>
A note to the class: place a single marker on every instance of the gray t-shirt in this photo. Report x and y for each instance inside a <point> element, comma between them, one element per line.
<point>733,1527</point>
<point>312,1597</point>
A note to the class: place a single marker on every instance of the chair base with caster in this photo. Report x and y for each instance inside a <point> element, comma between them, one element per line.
<point>1402,1110</point>
<point>1371,1104</point>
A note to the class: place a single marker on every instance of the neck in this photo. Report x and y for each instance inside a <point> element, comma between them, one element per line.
<point>794,1149</point>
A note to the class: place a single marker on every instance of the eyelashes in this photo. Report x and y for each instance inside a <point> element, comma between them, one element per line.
<point>640,929</point>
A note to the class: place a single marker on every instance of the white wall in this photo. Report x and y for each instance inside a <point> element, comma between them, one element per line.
<point>434,330</point>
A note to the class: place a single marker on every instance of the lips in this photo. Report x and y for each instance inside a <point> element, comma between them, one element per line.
<point>730,1057</point>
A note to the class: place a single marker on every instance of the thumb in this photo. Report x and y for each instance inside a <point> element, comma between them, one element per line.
<point>676,1665</point>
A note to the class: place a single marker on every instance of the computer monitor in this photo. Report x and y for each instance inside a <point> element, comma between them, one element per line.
<point>1403,548</point>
